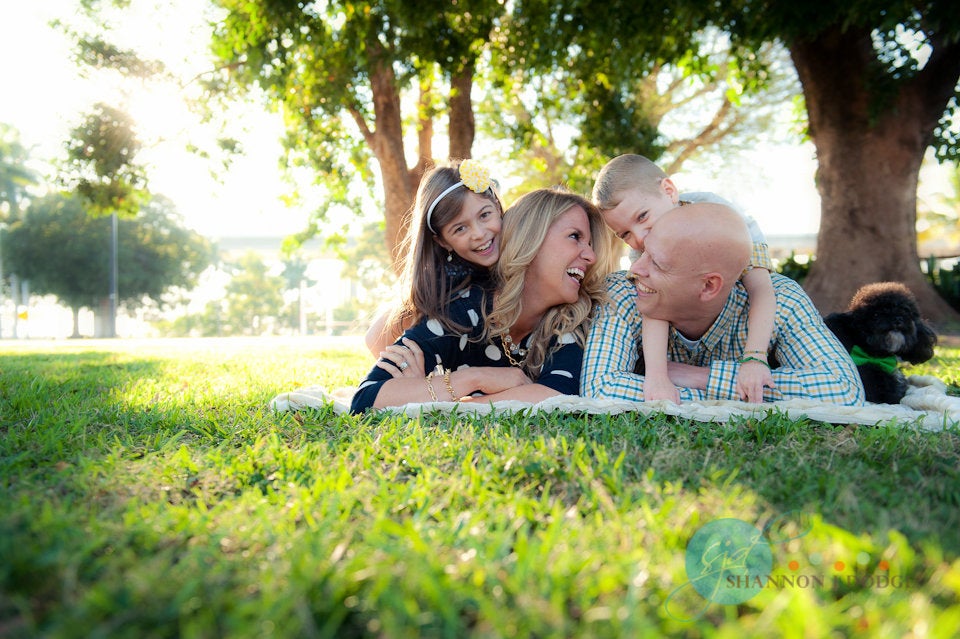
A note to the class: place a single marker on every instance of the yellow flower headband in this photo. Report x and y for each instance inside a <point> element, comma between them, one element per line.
<point>473,175</point>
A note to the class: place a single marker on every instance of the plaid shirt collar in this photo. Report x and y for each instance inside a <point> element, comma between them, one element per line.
<point>712,342</point>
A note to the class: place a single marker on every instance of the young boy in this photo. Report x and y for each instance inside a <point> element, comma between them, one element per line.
<point>632,193</point>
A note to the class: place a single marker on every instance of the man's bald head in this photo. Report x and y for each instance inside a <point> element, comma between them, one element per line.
<point>707,237</point>
<point>693,256</point>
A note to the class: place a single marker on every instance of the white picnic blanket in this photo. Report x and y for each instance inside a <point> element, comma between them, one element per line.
<point>926,405</point>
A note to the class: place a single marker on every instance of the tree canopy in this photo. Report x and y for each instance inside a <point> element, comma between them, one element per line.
<point>102,162</point>
<point>342,73</point>
<point>338,71</point>
<point>879,80</point>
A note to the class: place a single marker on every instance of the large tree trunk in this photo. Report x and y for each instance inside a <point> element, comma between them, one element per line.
<point>869,154</point>
<point>462,124</point>
<point>399,187</point>
<point>399,182</point>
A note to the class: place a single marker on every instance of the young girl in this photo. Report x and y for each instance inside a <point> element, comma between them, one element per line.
<point>632,193</point>
<point>452,242</point>
<point>525,339</point>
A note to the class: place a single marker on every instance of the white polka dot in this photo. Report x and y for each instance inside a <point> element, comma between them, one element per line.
<point>435,327</point>
<point>566,338</point>
<point>465,293</point>
<point>562,373</point>
<point>463,366</point>
<point>463,342</point>
<point>365,384</point>
<point>474,319</point>
<point>492,352</point>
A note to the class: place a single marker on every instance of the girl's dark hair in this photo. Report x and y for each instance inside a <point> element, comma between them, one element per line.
<point>427,283</point>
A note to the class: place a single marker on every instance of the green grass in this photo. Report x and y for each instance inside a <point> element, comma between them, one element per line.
<point>148,492</point>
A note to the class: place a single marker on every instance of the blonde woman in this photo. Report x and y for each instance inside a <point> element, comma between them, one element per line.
<point>524,341</point>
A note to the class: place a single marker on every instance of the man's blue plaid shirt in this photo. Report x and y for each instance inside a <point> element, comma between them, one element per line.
<point>812,362</point>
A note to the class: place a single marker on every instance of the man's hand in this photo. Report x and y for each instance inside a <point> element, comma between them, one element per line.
<point>688,375</point>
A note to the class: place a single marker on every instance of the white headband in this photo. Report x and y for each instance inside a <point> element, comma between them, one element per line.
<point>473,175</point>
<point>446,192</point>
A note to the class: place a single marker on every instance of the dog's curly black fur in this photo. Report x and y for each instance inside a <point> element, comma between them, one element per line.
<point>883,319</point>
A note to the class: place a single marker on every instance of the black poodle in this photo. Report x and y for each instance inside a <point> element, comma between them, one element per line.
<point>880,328</point>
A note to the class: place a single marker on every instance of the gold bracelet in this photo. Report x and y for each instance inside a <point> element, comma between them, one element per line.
<point>430,386</point>
<point>446,380</point>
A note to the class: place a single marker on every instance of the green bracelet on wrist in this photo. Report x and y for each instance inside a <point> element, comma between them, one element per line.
<point>750,358</point>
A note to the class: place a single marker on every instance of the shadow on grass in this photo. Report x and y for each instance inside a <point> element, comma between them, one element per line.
<point>58,407</point>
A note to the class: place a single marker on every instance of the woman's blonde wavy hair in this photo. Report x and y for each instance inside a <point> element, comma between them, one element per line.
<point>525,226</point>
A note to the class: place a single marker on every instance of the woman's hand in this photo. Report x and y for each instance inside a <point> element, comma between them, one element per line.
<point>402,360</point>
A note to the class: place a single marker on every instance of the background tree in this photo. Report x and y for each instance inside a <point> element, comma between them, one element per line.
<point>604,63</point>
<point>15,177</point>
<point>880,82</point>
<point>338,71</point>
<point>253,297</point>
<point>695,107</point>
<point>62,250</point>
<point>102,169</point>
<point>295,279</point>
<point>102,165</point>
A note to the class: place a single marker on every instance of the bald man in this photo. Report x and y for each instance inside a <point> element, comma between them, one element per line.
<point>689,275</point>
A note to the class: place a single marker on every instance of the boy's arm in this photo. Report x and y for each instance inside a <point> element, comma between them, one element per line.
<point>763,309</point>
<point>813,363</point>
<point>755,375</point>
<point>656,382</point>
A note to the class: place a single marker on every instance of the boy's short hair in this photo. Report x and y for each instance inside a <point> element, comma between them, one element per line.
<point>628,171</point>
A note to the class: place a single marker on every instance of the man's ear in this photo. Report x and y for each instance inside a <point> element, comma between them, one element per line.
<point>670,189</point>
<point>711,286</point>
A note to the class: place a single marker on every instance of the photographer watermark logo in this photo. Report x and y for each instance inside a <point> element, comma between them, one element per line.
<point>729,561</point>
<point>725,549</point>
